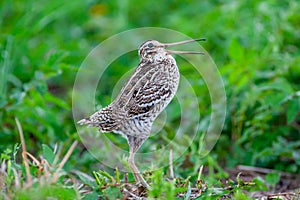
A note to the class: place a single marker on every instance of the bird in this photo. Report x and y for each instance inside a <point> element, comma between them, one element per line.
<point>143,97</point>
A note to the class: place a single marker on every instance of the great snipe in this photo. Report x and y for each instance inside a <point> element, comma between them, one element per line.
<point>144,96</point>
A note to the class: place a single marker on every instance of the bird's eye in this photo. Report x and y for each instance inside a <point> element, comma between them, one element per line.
<point>150,45</point>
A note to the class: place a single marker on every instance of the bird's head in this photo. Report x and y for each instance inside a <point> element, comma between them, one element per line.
<point>154,50</point>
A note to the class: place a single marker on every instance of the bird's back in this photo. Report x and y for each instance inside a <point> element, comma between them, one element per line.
<point>147,92</point>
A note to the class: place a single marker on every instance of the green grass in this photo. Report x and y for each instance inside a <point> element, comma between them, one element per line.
<point>254,44</point>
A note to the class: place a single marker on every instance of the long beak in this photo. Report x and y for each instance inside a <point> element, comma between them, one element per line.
<point>183,52</point>
<point>182,42</point>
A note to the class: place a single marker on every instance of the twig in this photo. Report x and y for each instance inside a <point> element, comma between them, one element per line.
<point>63,162</point>
<point>57,151</point>
<point>34,159</point>
<point>186,182</point>
<point>279,195</point>
<point>68,154</point>
<point>55,148</point>
<point>110,185</point>
<point>130,193</point>
<point>44,168</point>
<point>199,174</point>
<point>260,170</point>
<point>171,164</point>
<point>24,153</point>
<point>79,173</point>
<point>194,193</point>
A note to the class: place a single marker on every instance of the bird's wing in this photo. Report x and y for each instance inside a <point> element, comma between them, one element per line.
<point>144,99</point>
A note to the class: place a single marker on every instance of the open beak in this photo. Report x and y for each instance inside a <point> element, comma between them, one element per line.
<point>182,42</point>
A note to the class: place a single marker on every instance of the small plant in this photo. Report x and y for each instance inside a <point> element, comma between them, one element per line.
<point>35,178</point>
<point>272,179</point>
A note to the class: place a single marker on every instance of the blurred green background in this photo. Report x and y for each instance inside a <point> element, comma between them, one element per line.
<point>255,45</point>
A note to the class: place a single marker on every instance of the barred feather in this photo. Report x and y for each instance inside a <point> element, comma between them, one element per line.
<point>144,96</point>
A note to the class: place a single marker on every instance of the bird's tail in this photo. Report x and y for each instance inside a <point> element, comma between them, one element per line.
<point>85,121</point>
<point>104,119</point>
<point>92,120</point>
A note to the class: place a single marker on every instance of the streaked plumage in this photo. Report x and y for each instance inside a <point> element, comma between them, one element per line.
<point>144,96</point>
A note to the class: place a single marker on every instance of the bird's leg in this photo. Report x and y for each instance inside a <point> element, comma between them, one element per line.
<point>132,166</point>
<point>137,175</point>
<point>134,145</point>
